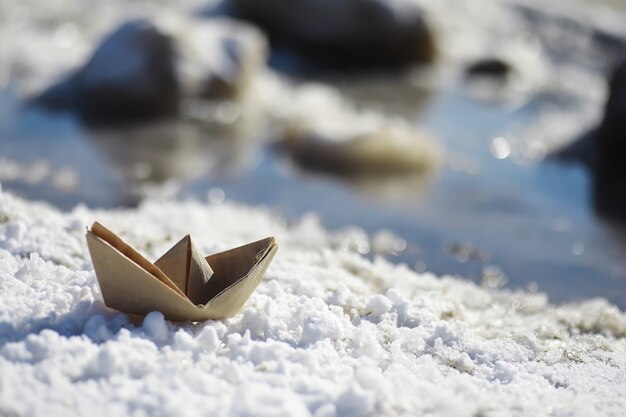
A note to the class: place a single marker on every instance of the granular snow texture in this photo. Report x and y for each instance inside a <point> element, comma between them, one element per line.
<point>327,333</point>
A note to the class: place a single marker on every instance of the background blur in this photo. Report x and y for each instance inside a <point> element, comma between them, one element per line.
<point>473,138</point>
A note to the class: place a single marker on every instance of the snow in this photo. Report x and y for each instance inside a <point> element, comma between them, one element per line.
<point>327,333</point>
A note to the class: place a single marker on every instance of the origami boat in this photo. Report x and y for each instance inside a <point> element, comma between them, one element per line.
<point>182,284</point>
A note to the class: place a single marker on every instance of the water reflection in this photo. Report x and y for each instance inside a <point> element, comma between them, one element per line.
<point>171,150</point>
<point>56,158</point>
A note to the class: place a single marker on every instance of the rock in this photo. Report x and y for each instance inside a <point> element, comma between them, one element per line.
<point>609,170</point>
<point>377,153</point>
<point>488,67</point>
<point>326,133</point>
<point>59,96</point>
<point>218,57</point>
<point>130,75</point>
<point>374,32</point>
<point>604,146</point>
<point>603,151</point>
<point>142,70</point>
<point>612,130</point>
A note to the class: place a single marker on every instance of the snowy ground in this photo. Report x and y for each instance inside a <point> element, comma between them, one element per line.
<point>327,333</point>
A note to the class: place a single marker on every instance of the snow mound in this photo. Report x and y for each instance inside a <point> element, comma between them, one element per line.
<point>327,333</point>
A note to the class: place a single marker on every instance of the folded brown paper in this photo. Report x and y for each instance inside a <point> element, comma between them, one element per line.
<point>182,284</point>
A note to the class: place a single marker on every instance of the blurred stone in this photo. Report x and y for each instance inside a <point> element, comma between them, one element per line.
<point>322,131</point>
<point>608,184</point>
<point>377,153</point>
<point>130,75</point>
<point>612,131</point>
<point>603,151</point>
<point>374,32</point>
<point>217,58</point>
<point>489,67</point>
<point>142,70</point>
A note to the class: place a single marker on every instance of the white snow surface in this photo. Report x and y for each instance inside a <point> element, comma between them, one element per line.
<point>327,333</point>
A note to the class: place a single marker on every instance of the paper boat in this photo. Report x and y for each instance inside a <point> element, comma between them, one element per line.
<point>182,284</point>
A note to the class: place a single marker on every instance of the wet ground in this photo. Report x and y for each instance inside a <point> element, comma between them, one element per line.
<point>499,211</point>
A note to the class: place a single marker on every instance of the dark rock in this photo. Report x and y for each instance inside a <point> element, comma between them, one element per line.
<point>612,131</point>
<point>60,96</point>
<point>609,173</point>
<point>608,196</point>
<point>130,76</point>
<point>489,67</point>
<point>242,55</point>
<point>604,147</point>
<point>356,157</point>
<point>141,71</point>
<point>584,150</point>
<point>603,151</point>
<point>322,131</point>
<point>371,32</point>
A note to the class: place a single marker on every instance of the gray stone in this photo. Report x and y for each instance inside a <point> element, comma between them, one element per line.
<point>612,131</point>
<point>377,32</point>
<point>142,71</point>
<point>130,75</point>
